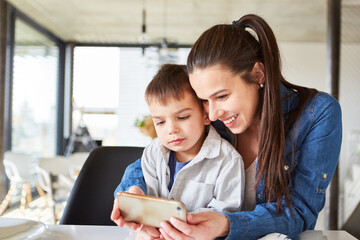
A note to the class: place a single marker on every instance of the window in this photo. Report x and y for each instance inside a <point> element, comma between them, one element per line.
<point>108,90</point>
<point>35,78</point>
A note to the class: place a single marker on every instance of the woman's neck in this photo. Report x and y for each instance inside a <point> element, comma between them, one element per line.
<point>248,144</point>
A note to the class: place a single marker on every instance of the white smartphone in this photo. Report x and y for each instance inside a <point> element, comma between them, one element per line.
<point>149,210</point>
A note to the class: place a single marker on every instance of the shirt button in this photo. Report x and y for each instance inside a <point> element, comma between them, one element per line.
<point>259,196</point>
<point>324,176</point>
<point>286,167</point>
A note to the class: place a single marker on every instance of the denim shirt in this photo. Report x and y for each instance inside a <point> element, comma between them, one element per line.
<point>316,143</point>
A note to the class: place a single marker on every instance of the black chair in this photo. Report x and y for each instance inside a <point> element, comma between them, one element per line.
<point>91,199</point>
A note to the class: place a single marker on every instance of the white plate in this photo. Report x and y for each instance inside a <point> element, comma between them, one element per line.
<point>275,236</point>
<point>16,228</point>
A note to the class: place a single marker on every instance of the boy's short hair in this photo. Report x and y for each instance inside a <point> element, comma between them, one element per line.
<point>170,82</point>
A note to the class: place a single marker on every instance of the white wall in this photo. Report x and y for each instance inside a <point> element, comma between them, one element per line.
<point>304,64</point>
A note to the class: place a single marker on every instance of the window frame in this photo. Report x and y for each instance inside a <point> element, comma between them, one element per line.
<point>15,14</point>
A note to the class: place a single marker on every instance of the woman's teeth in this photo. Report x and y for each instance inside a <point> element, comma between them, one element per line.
<point>230,120</point>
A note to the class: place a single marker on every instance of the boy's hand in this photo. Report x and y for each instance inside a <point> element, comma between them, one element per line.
<point>119,220</point>
<point>116,216</point>
<point>135,190</point>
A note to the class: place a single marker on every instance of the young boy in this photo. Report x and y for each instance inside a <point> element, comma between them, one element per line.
<point>189,161</point>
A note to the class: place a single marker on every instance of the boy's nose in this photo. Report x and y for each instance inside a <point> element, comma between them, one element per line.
<point>173,128</point>
<point>173,131</point>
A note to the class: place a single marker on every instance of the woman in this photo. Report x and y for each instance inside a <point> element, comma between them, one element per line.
<point>289,136</point>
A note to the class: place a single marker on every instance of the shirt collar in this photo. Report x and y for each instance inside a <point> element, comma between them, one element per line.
<point>211,145</point>
<point>287,99</point>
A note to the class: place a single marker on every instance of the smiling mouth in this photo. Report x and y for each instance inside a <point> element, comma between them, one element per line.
<point>231,119</point>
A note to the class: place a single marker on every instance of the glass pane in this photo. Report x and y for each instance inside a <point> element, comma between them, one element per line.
<point>349,164</point>
<point>96,91</point>
<point>137,68</point>
<point>35,80</point>
<point>109,86</point>
<point>96,75</point>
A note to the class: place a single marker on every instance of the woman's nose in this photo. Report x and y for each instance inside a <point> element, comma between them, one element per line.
<point>214,112</point>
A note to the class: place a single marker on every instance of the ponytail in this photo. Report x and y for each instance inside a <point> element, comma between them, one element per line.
<point>271,131</point>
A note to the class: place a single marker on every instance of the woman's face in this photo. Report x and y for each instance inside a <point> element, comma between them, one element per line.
<point>226,96</point>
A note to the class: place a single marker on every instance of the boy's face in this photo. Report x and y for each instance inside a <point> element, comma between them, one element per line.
<point>180,125</point>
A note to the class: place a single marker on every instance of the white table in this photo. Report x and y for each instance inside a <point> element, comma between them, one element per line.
<point>326,235</point>
<point>70,232</point>
<point>22,228</point>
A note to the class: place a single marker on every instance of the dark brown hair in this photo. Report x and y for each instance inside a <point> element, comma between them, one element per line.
<point>170,82</point>
<point>234,47</point>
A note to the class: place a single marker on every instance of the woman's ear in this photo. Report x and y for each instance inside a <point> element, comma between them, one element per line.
<point>258,72</point>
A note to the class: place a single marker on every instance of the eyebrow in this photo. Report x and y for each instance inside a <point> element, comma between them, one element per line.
<point>175,113</point>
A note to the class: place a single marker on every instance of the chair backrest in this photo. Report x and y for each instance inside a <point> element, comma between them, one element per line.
<point>44,179</point>
<point>20,167</point>
<point>91,199</point>
<point>55,165</point>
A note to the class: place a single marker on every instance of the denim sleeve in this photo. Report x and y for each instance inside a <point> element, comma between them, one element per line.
<point>133,176</point>
<point>318,156</point>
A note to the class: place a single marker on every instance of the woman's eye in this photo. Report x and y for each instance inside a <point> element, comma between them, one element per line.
<point>184,117</point>
<point>222,96</point>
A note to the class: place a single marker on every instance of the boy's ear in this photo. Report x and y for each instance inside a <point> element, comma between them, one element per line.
<point>207,121</point>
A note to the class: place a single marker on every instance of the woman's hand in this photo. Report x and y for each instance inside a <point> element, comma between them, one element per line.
<point>116,216</point>
<point>148,233</point>
<point>202,225</point>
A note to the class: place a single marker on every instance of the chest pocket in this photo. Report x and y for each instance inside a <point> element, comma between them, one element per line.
<point>197,195</point>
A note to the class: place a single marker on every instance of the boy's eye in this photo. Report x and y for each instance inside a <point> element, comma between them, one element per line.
<point>160,123</point>
<point>184,117</point>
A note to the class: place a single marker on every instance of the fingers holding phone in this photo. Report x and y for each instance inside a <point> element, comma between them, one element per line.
<point>116,215</point>
<point>135,190</point>
<point>149,210</point>
<point>119,220</point>
<point>148,233</point>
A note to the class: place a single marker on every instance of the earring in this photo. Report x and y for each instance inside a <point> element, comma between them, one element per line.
<point>261,85</point>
